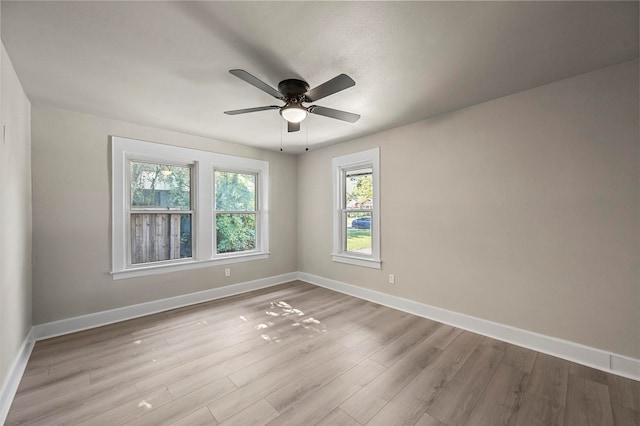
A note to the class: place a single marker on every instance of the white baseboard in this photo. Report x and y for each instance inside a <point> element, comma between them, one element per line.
<point>10,385</point>
<point>84,322</point>
<point>575,352</point>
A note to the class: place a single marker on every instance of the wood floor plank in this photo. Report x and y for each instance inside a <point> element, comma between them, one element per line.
<point>198,365</point>
<point>109,391</point>
<point>78,410</point>
<point>62,362</point>
<point>390,330</point>
<point>185,405</point>
<point>111,388</point>
<point>588,373</point>
<point>316,377</point>
<point>520,358</point>
<point>625,392</point>
<point>315,407</point>
<point>350,318</point>
<point>495,344</point>
<point>625,416</point>
<point>298,342</point>
<point>500,401</point>
<point>79,340</point>
<point>258,414</point>
<point>240,399</point>
<point>536,410</point>
<point>354,338</point>
<point>368,320</point>
<point>103,355</point>
<point>35,396</point>
<point>164,355</point>
<point>338,418</point>
<point>458,398</point>
<point>369,400</point>
<point>447,334</point>
<point>130,410</point>
<point>408,406</point>
<point>405,342</point>
<point>427,420</point>
<point>200,417</point>
<point>588,403</point>
<point>549,378</point>
<point>272,359</point>
<point>168,330</point>
<point>206,345</point>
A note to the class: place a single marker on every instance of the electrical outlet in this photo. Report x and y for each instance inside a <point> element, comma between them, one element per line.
<point>392,279</point>
<point>227,272</point>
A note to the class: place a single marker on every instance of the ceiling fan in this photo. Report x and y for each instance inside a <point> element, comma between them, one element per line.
<point>296,92</point>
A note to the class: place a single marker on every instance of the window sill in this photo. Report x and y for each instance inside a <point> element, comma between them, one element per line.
<point>140,271</point>
<point>357,260</point>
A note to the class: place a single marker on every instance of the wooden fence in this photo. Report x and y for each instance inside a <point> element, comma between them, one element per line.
<point>155,237</point>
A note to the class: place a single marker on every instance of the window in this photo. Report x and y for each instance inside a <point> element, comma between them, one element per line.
<point>356,223</point>
<point>159,210</point>
<point>177,208</point>
<point>235,212</point>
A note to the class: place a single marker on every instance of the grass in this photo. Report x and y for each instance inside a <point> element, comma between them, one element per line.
<point>358,239</point>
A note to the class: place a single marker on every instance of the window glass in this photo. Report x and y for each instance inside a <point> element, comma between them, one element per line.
<point>157,231</point>
<point>359,188</point>
<point>235,195</point>
<point>358,205</point>
<point>235,191</point>
<point>160,236</point>
<point>235,232</point>
<point>358,233</point>
<point>160,186</point>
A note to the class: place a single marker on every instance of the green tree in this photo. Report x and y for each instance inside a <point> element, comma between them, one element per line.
<point>160,186</point>
<point>364,188</point>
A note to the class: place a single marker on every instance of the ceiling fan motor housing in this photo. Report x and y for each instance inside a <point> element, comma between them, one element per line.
<point>293,88</point>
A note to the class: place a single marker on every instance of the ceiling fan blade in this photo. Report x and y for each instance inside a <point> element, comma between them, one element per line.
<point>246,110</point>
<point>334,113</point>
<point>330,87</point>
<point>293,127</point>
<point>254,81</point>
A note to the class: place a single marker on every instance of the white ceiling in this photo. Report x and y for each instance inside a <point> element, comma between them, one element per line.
<point>165,64</point>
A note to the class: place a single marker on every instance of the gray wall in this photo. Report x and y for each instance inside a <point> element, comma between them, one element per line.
<point>15,217</point>
<point>71,218</point>
<point>523,210</point>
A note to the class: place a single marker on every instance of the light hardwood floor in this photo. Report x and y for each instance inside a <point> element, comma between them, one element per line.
<point>297,354</point>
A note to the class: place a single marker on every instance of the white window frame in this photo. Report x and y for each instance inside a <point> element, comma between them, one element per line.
<point>256,212</point>
<point>339,165</point>
<point>204,163</point>
<point>129,211</point>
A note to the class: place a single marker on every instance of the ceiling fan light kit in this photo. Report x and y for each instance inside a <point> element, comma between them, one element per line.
<point>296,92</point>
<point>293,112</point>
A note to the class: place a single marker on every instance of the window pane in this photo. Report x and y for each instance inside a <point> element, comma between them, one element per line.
<point>235,191</point>
<point>359,188</point>
<point>160,186</point>
<point>235,232</point>
<point>160,236</point>
<point>359,232</point>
